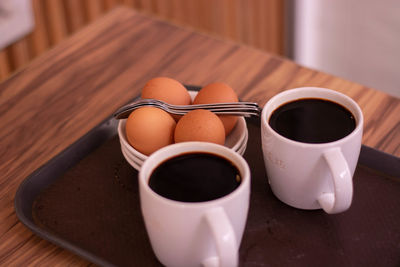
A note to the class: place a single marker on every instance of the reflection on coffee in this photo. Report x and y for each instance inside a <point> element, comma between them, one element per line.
<point>312,120</point>
<point>195,177</point>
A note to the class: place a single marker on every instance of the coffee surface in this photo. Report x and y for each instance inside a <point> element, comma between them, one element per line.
<point>195,177</point>
<point>312,120</point>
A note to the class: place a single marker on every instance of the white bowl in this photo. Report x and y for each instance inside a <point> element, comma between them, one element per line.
<point>233,140</point>
<point>137,162</point>
<point>236,140</point>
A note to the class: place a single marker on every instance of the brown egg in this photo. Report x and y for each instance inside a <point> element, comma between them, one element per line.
<point>167,90</point>
<point>149,129</point>
<point>200,125</point>
<point>218,93</point>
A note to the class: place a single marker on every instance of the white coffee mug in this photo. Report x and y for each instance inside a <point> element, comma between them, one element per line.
<point>195,233</point>
<point>307,175</point>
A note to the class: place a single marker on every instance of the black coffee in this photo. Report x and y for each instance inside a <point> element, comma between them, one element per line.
<point>312,120</point>
<point>195,177</point>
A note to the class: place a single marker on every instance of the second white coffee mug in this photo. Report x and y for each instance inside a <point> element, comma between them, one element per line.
<point>206,233</point>
<point>309,175</point>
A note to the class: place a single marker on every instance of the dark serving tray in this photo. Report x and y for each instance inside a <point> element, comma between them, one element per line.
<point>86,200</point>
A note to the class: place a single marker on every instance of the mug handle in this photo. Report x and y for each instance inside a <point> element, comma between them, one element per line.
<point>224,237</point>
<point>340,199</point>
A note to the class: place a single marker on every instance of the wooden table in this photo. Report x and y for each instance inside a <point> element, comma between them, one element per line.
<point>63,94</point>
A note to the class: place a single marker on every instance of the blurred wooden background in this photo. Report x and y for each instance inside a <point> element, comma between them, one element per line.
<point>258,23</point>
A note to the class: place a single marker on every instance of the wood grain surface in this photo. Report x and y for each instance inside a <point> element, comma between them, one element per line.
<point>61,95</point>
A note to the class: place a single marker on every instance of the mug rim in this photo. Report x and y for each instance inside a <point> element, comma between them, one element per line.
<point>308,89</point>
<point>177,149</point>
